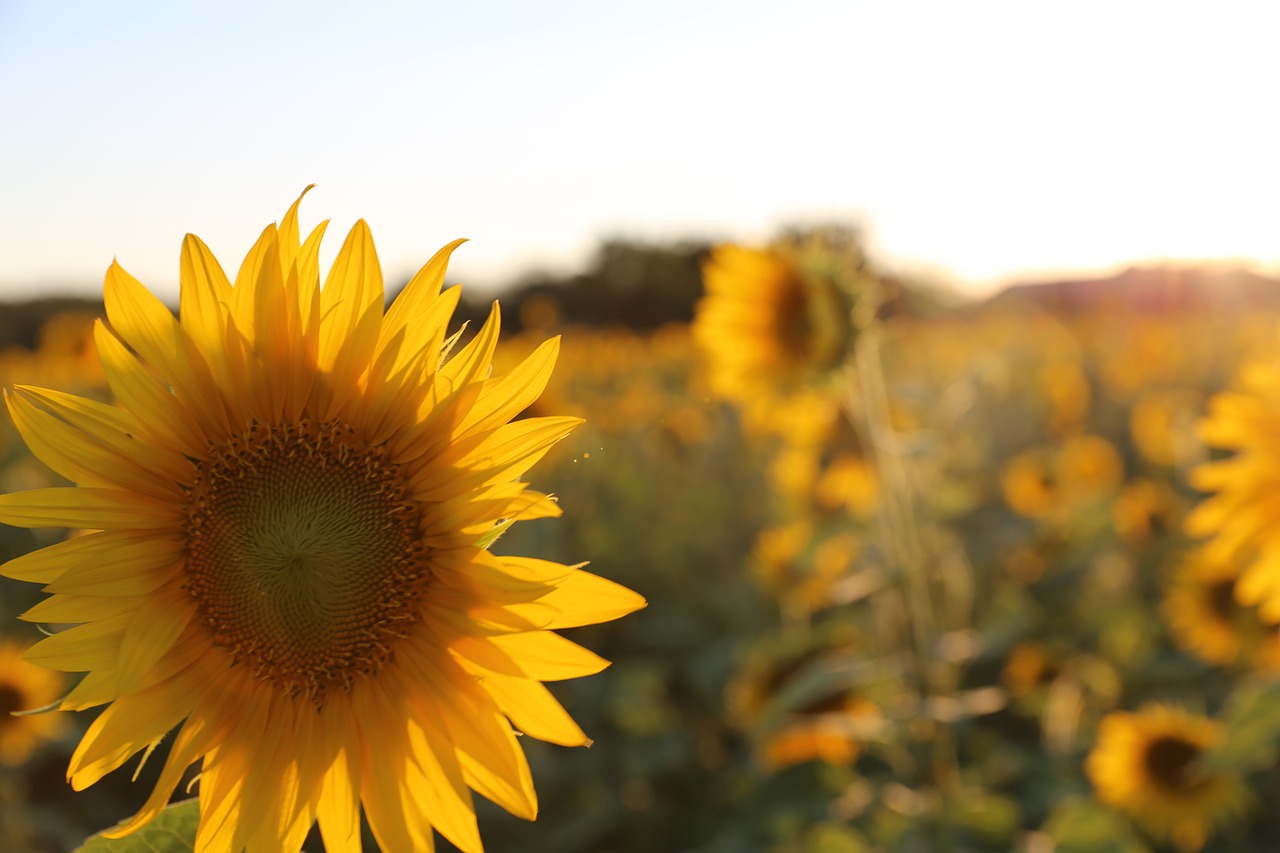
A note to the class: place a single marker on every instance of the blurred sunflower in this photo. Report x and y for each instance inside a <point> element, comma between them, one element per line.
<point>292,497</point>
<point>786,698</point>
<point>1030,667</point>
<point>1067,391</point>
<point>777,553</point>
<point>776,319</point>
<point>1027,483</point>
<point>848,481</point>
<point>1144,509</point>
<point>832,730</point>
<point>1088,467</point>
<point>1160,426</point>
<point>1243,516</point>
<point>1201,609</point>
<point>1200,605</point>
<point>1146,764</point>
<point>24,687</point>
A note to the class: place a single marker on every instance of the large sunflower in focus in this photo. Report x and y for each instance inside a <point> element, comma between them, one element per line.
<point>776,319</point>
<point>1147,764</point>
<point>291,497</point>
<point>1242,518</point>
<point>24,687</point>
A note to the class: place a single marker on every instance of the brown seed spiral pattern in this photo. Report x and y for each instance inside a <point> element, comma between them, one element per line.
<point>304,554</point>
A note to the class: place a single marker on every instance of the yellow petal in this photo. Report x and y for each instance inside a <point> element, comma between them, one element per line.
<point>463,613</point>
<point>244,295</point>
<point>153,631</point>
<point>79,456</point>
<point>193,740</point>
<point>222,801</point>
<point>83,648</point>
<point>533,710</point>
<point>507,396</point>
<point>308,266</point>
<point>476,570</point>
<point>222,773</point>
<point>492,761</point>
<point>549,657</point>
<point>150,329</point>
<point>116,429</point>
<point>127,562</point>
<point>96,688</point>
<point>395,814</point>
<point>130,724</point>
<point>143,395</point>
<point>276,781</point>
<point>339,808</point>
<point>48,563</point>
<point>413,322</point>
<point>434,780</point>
<point>96,509</point>
<point>351,305</point>
<point>475,360</point>
<point>586,599</point>
<point>289,239</point>
<point>68,609</point>
<point>506,454</point>
<point>204,311</point>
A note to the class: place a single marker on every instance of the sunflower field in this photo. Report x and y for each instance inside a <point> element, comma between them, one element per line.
<point>921,575</point>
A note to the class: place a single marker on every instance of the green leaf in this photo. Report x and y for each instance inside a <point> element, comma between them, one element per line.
<point>173,831</point>
<point>495,533</point>
<point>1252,723</point>
<point>1078,825</point>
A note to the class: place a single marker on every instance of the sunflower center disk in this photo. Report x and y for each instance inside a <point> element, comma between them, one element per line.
<point>304,554</point>
<point>11,699</point>
<point>1171,762</point>
<point>1222,599</point>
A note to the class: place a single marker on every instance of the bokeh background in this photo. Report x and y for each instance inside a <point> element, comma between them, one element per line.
<point>891,605</point>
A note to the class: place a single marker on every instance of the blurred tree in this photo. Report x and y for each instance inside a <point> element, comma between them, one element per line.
<point>628,284</point>
<point>21,322</point>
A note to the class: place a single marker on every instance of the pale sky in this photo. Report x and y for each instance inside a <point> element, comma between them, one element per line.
<point>979,142</point>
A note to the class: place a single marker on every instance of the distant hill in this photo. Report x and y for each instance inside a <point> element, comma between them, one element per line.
<point>1159,290</point>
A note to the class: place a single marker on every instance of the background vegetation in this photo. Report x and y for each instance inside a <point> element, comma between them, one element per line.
<point>789,688</point>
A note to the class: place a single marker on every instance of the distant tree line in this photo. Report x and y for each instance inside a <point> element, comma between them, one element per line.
<point>626,283</point>
<point>20,322</point>
<point>636,285</point>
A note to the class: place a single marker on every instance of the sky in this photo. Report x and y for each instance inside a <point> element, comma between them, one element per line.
<point>974,143</point>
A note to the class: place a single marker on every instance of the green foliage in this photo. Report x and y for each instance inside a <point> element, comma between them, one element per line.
<point>1078,825</point>
<point>173,831</point>
<point>626,284</point>
<point>1252,722</point>
<point>20,323</point>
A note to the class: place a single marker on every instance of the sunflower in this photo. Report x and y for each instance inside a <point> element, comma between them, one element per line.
<point>848,481</point>
<point>774,320</point>
<point>1243,516</point>
<point>1146,764</point>
<point>1030,667</point>
<point>832,731</point>
<point>1204,616</point>
<point>291,500</point>
<point>24,687</point>
<point>1088,467</point>
<point>783,698</point>
<point>1027,483</point>
<point>1066,389</point>
<point>1143,509</point>
<point>1160,426</point>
